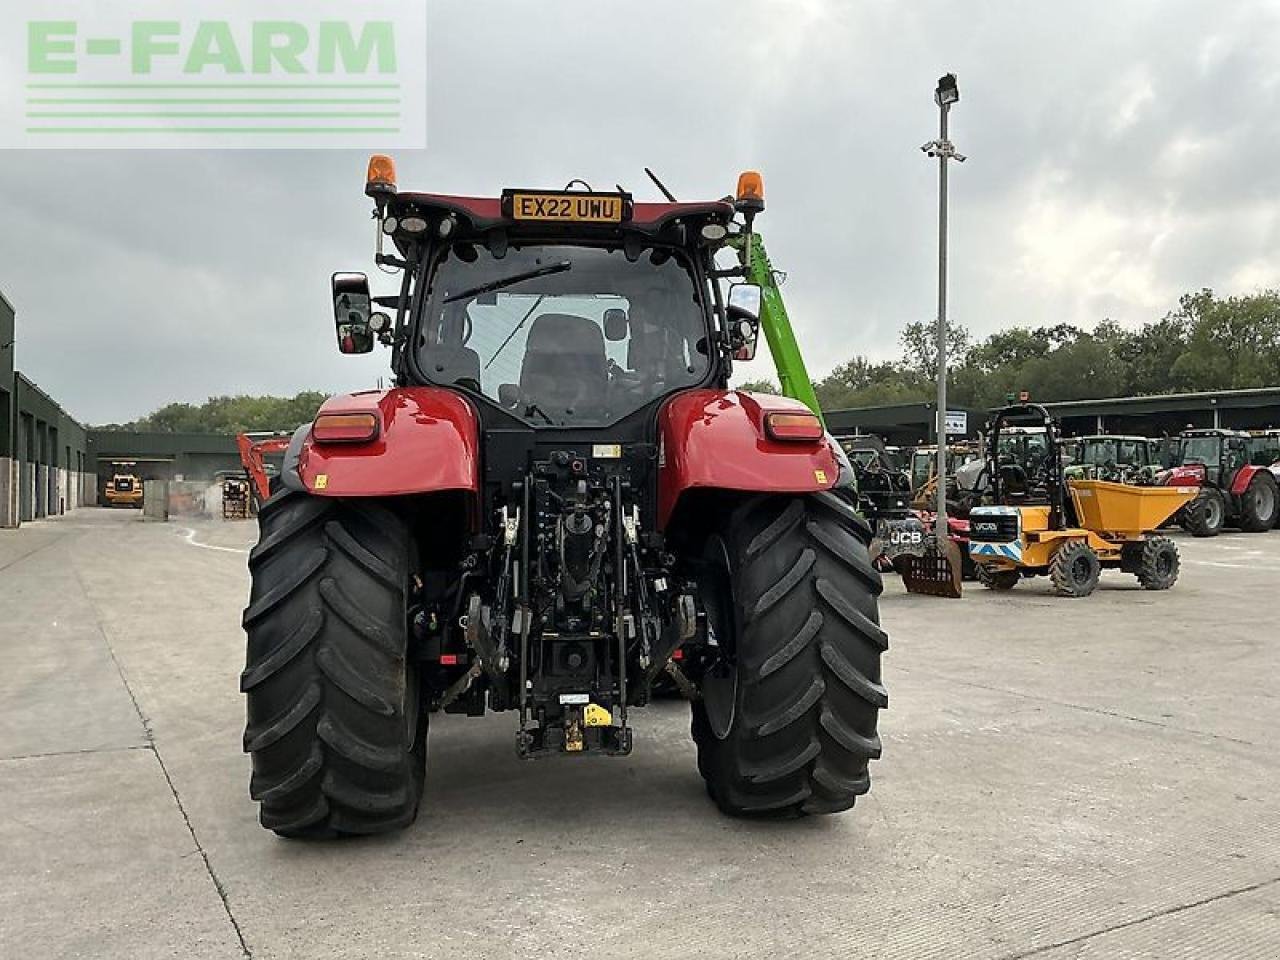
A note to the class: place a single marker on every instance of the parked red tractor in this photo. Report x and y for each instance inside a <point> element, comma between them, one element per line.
<point>1233,491</point>
<point>559,499</point>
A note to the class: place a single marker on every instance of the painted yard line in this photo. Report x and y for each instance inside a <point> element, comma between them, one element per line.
<point>154,100</point>
<point>189,536</point>
<point>1234,566</point>
<point>213,114</point>
<point>163,129</point>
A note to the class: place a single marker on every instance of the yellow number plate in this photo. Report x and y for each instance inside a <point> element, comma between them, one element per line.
<point>567,207</point>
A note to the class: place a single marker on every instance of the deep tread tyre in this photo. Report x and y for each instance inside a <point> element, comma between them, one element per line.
<point>1158,564</point>
<point>789,727</point>
<point>1002,580</point>
<point>1205,515</point>
<point>1260,503</point>
<point>335,725</point>
<point>1075,570</point>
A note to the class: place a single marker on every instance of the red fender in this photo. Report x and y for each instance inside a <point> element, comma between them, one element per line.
<point>428,440</point>
<point>716,439</point>
<point>1188,475</point>
<point>1244,477</point>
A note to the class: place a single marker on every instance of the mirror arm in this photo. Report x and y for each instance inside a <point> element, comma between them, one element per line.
<point>387,260</point>
<point>727,272</point>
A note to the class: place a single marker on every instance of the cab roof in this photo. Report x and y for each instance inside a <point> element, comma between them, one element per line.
<point>1213,432</point>
<point>485,213</point>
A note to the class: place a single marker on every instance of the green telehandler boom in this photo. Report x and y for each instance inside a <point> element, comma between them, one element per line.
<point>938,571</point>
<point>793,376</point>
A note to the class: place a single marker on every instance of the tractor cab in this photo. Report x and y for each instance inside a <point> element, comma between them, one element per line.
<point>1214,454</point>
<point>1264,449</point>
<point>1121,451</point>
<point>563,319</point>
<point>1123,459</point>
<point>1024,456</point>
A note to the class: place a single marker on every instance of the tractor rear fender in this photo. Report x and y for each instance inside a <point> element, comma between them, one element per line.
<point>1244,477</point>
<point>716,439</point>
<point>1188,475</point>
<point>427,440</point>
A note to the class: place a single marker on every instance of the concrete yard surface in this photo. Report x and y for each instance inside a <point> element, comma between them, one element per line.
<point>1062,779</point>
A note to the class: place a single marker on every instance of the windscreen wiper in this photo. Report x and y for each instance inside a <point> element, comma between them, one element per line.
<point>492,285</point>
<point>534,408</point>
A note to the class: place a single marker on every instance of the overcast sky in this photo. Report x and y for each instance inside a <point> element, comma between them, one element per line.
<point>1120,154</point>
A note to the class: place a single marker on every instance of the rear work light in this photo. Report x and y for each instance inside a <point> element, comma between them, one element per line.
<point>793,426</point>
<point>344,427</point>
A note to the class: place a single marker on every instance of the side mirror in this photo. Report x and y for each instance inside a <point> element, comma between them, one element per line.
<point>352,309</point>
<point>743,313</point>
<point>615,324</point>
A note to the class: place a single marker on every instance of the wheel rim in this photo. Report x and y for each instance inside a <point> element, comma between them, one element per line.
<point>1081,569</point>
<point>720,683</point>
<point>1213,512</point>
<point>1264,501</point>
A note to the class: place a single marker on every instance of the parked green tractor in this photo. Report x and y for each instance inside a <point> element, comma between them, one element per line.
<point>1117,459</point>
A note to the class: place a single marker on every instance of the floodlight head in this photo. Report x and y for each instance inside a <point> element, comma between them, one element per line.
<point>947,92</point>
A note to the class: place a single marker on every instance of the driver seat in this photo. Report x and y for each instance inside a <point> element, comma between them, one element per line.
<point>564,365</point>
<point>1013,477</point>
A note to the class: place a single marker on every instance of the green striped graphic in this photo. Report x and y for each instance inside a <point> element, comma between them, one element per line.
<point>213,114</point>
<point>167,130</point>
<point>208,85</point>
<point>155,100</point>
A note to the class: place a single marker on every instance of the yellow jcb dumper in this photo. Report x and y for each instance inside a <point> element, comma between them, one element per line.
<point>1040,523</point>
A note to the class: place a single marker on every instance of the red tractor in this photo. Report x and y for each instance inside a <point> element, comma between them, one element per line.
<point>560,499</point>
<point>1233,491</point>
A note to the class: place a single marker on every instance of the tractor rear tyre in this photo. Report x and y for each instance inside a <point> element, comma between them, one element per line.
<point>1002,580</point>
<point>1260,503</point>
<point>335,722</point>
<point>1158,564</point>
<point>1075,570</point>
<point>1205,515</point>
<point>787,721</point>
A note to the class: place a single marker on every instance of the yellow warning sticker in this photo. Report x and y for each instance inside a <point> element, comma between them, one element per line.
<point>595,715</point>
<point>322,481</point>
<point>820,476</point>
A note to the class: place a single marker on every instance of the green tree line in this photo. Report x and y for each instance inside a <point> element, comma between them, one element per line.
<point>1207,343</point>
<point>240,414</point>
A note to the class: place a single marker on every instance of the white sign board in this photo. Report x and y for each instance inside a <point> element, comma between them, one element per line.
<point>214,74</point>
<point>957,423</point>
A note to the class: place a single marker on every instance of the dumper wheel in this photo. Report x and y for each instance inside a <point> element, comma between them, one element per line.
<point>997,579</point>
<point>335,725</point>
<point>1260,503</point>
<point>1205,515</point>
<point>787,720</point>
<point>1075,570</point>
<point>1158,564</point>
